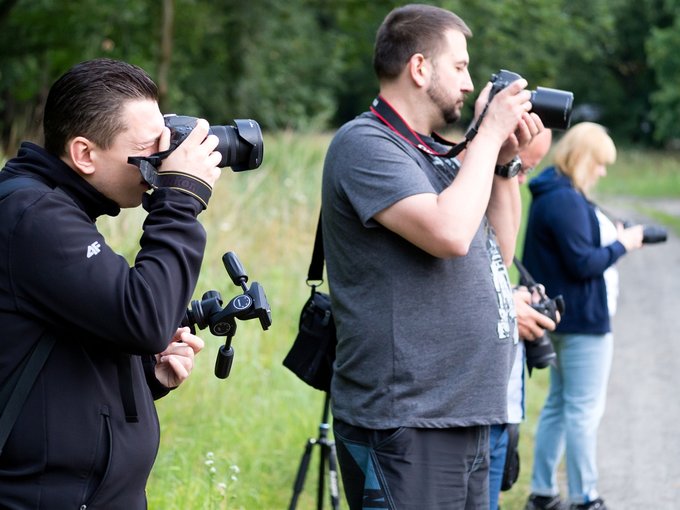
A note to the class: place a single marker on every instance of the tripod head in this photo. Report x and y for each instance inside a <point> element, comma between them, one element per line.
<point>209,313</point>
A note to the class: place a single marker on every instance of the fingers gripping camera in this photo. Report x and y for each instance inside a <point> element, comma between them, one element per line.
<point>553,106</point>
<point>240,146</point>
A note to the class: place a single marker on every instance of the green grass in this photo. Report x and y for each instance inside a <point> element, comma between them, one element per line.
<point>260,418</point>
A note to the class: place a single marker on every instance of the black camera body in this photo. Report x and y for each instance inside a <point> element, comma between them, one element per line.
<point>540,353</point>
<point>553,106</point>
<point>651,234</point>
<point>241,145</point>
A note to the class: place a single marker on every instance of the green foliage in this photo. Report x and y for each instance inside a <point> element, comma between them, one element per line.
<point>306,64</point>
<point>663,47</point>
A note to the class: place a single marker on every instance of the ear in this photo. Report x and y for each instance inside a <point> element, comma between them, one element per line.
<point>80,150</point>
<point>419,69</point>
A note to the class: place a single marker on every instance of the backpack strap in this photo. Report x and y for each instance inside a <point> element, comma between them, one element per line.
<point>15,391</point>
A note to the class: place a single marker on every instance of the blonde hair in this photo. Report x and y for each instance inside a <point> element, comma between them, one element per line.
<point>581,150</point>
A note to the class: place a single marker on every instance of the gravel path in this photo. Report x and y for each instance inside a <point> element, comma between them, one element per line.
<point>639,440</point>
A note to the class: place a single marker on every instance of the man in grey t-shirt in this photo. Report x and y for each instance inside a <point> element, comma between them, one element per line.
<point>417,248</point>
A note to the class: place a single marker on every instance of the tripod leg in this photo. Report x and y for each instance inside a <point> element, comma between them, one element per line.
<point>301,474</point>
<point>322,475</point>
<point>333,476</point>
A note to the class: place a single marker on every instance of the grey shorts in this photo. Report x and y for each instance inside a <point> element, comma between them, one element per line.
<point>414,469</point>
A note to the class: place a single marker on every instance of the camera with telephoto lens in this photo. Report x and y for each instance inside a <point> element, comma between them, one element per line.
<point>540,352</point>
<point>241,145</point>
<point>553,106</point>
<point>651,234</point>
<point>209,313</point>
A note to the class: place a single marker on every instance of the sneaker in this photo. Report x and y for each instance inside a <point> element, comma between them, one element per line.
<point>598,504</point>
<point>537,502</point>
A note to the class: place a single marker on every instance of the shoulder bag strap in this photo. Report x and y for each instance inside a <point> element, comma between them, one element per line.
<point>25,377</point>
<point>16,389</point>
<point>315,272</point>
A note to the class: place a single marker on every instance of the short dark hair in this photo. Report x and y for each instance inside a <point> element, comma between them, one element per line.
<point>88,101</point>
<point>411,29</point>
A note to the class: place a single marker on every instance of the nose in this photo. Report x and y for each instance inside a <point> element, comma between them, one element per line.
<point>467,85</point>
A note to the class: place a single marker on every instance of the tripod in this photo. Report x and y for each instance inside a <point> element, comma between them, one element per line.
<point>328,455</point>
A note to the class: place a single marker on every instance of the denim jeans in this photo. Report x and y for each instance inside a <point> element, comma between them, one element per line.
<point>498,447</point>
<point>571,415</point>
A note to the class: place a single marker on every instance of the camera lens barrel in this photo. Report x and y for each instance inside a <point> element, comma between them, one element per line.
<point>652,234</point>
<point>553,106</point>
<point>241,146</point>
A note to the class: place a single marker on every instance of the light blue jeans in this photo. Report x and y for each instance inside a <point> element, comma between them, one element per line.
<point>498,448</point>
<point>571,416</point>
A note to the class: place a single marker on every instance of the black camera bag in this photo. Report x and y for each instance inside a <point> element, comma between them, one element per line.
<point>312,354</point>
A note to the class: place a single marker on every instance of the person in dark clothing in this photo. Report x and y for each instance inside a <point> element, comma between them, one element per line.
<point>87,434</point>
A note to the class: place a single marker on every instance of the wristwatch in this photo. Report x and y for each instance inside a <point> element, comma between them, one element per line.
<point>510,169</point>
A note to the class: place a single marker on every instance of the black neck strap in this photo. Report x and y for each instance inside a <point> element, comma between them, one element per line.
<point>389,116</point>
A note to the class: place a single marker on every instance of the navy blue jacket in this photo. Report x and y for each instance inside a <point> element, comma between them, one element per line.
<point>88,434</point>
<point>562,251</point>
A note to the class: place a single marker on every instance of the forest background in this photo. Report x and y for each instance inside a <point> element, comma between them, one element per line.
<point>306,64</point>
<point>301,68</point>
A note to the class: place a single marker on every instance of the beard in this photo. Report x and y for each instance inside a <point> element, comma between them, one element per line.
<point>448,108</point>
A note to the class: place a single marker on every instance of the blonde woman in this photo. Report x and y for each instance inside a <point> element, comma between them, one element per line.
<point>571,247</point>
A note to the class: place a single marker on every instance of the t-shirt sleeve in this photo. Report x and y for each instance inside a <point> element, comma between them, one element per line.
<point>373,170</point>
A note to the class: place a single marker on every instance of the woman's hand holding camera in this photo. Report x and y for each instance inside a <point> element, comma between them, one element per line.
<point>631,237</point>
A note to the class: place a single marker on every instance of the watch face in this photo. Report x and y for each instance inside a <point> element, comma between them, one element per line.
<point>510,169</point>
<point>514,167</point>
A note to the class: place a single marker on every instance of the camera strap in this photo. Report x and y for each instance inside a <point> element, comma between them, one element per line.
<point>391,118</point>
<point>186,183</point>
<point>524,277</point>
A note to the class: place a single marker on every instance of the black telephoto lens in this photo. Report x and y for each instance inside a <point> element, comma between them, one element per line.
<point>241,145</point>
<point>652,234</point>
<point>553,106</point>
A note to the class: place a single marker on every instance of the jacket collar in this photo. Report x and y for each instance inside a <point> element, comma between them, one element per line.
<point>35,160</point>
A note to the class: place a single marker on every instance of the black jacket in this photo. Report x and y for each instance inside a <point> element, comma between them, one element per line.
<point>562,250</point>
<point>88,434</point>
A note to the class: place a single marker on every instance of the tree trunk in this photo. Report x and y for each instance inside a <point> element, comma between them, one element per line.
<point>166,53</point>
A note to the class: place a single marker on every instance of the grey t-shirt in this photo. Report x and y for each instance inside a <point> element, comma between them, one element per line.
<point>422,341</point>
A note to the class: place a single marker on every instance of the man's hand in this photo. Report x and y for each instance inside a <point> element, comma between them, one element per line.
<point>175,363</point>
<point>512,103</point>
<point>531,323</point>
<point>196,154</point>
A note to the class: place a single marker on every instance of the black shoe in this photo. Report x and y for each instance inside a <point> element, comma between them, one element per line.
<point>598,504</point>
<point>537,502</point>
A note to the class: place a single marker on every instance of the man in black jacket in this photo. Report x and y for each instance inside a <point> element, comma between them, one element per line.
<point>88,433</point>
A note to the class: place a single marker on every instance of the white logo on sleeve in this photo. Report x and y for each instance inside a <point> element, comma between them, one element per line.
<point>93,249</point>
